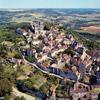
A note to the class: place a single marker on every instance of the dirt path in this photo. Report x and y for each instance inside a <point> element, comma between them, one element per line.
<point>18,93</point>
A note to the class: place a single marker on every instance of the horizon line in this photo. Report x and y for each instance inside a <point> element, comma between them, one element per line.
<point>50,8</point>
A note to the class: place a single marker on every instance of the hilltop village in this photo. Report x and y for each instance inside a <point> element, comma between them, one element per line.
<point>57,53</point>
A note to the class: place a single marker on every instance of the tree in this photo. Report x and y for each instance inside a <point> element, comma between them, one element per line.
<point>28,84</point>
<point>99,96</point>
<point>69,51</point>
<point>5,82</point>
<point>3,50</point>
<point>30,58</point>
<point>45,87</point>
<point>69,85</point>
<point>5,86</point>
<point>59,91</point>
<point>39,73</point>
<point>53,80</point>
<point>20,98</point>
<point>7,97</point>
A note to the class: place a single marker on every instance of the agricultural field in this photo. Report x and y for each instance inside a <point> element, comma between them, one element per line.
<point>92,29</point>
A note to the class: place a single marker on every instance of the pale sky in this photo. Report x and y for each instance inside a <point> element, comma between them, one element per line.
<point>49,3</point>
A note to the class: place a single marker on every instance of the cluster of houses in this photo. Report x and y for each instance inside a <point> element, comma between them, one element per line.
<point>58,52</point>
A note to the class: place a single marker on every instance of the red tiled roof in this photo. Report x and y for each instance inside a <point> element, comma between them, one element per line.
<point>93,53</point>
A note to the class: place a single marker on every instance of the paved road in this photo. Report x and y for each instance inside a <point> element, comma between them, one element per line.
<point>53,71</point>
